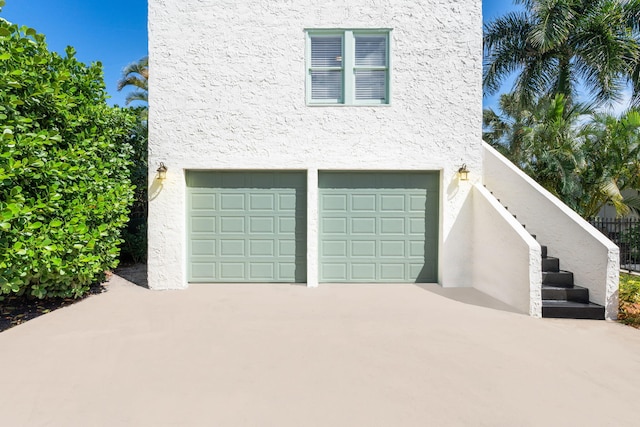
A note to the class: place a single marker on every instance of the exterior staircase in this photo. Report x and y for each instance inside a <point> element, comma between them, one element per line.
<point>561,298</point>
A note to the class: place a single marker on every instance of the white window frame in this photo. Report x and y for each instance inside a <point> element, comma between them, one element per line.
<point>349,67</point>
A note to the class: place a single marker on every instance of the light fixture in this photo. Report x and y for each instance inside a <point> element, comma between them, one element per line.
<point>162,171</point>
<point>463,173</point>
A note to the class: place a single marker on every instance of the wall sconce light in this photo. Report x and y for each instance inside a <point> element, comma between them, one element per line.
<point>162,171</point>
<point>463,173</point>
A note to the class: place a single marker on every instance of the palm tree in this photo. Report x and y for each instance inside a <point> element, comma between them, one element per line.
<point>543,140</point>
<point>555,45</point>
<point>136,74</point>
<point>586,159</point>
<point>611,148</point>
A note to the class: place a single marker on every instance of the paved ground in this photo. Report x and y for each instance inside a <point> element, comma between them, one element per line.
<point>280,355</point>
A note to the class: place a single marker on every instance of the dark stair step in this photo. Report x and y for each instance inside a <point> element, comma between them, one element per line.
<point>544,251</point>
<point>560,278</point>
<point>550,264</point>
<point>558,293</point>
<point>533,235</point>
<point>572,310</point>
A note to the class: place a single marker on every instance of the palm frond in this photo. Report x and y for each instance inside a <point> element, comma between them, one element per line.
<point>138,95</point>
<point>135,74</point>
<point>554,24</point>
<point>505,48</point>
<point>132,80</point>
<point>633,203</point>
<point>613,195</point>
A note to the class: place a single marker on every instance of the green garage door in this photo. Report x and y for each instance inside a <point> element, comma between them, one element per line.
<point>246,226</point>
<point>378,227</point>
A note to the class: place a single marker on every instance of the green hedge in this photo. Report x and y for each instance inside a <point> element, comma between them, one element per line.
<point>64,169</point>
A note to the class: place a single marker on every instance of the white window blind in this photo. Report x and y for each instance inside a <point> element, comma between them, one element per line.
<point>326,68</point>
<point>326,51</point>
<point>371,51</point>
<point>371,67</point>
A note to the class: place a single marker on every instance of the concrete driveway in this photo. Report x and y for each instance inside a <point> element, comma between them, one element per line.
<point>339,355</point>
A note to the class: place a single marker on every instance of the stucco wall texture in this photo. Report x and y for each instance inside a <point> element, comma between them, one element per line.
<point>227,91</point>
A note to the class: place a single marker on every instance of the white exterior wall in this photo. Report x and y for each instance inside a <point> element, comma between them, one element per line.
<point>227,91</point>
<point>507,260</point>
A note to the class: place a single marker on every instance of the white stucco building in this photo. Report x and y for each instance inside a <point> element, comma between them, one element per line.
<point>318,142</point>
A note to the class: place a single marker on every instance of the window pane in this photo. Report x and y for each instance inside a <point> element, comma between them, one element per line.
<point>326,85</point>
<point>371,51</point>
<point>371,85</point>
<point>326,51</point>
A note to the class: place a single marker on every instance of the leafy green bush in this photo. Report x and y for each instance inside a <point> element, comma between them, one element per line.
<point>64,177</point>
<point>629,310</point>
<point>629,288</point>
<point>134,247</point>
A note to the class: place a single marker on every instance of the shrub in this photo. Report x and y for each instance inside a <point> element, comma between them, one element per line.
<point>629,312</point>
<point>64,158</point>
<point>629,288</point>
<point>134,247</point>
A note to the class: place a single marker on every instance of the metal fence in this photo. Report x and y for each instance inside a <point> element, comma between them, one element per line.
<point>624,232</point>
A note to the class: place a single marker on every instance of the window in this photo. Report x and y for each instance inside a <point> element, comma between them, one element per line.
<point>348,67</point>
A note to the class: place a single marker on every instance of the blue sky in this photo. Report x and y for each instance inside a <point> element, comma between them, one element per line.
<point>114,32</point>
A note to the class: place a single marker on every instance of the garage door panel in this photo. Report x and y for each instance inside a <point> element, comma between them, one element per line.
<point>391,248</point>
<point>334,225</point>
<point>287,225</point>
<point>334,271</point>
<point>261,270</point>
<point>230,271</point>
<point>232,225</point>
<point>232,202</point>
<point>365,272</point>
<point>262,202</point>
<point>259,225</point>
<point>247,226</point>
<point>416,249</point>
<point>363,248</point>
<point>417,203</point>
<point>287,202</point>
<point>387,222</point>
<point>203,247</point>
<point>203,225</point>
<point>232,248</point>
<point>334,248</point>
<point>286,248</point>
<point>363,225</point>
<point>417,226</point>
<point>392,225</point>
<point>202,270</point>
<point>264,248</point>
<point>393,203</point>
<point>203,202</point>
<point>286,269</point>
<point>391,271</point>
<point>335,203</point>
<point>363,202</point>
